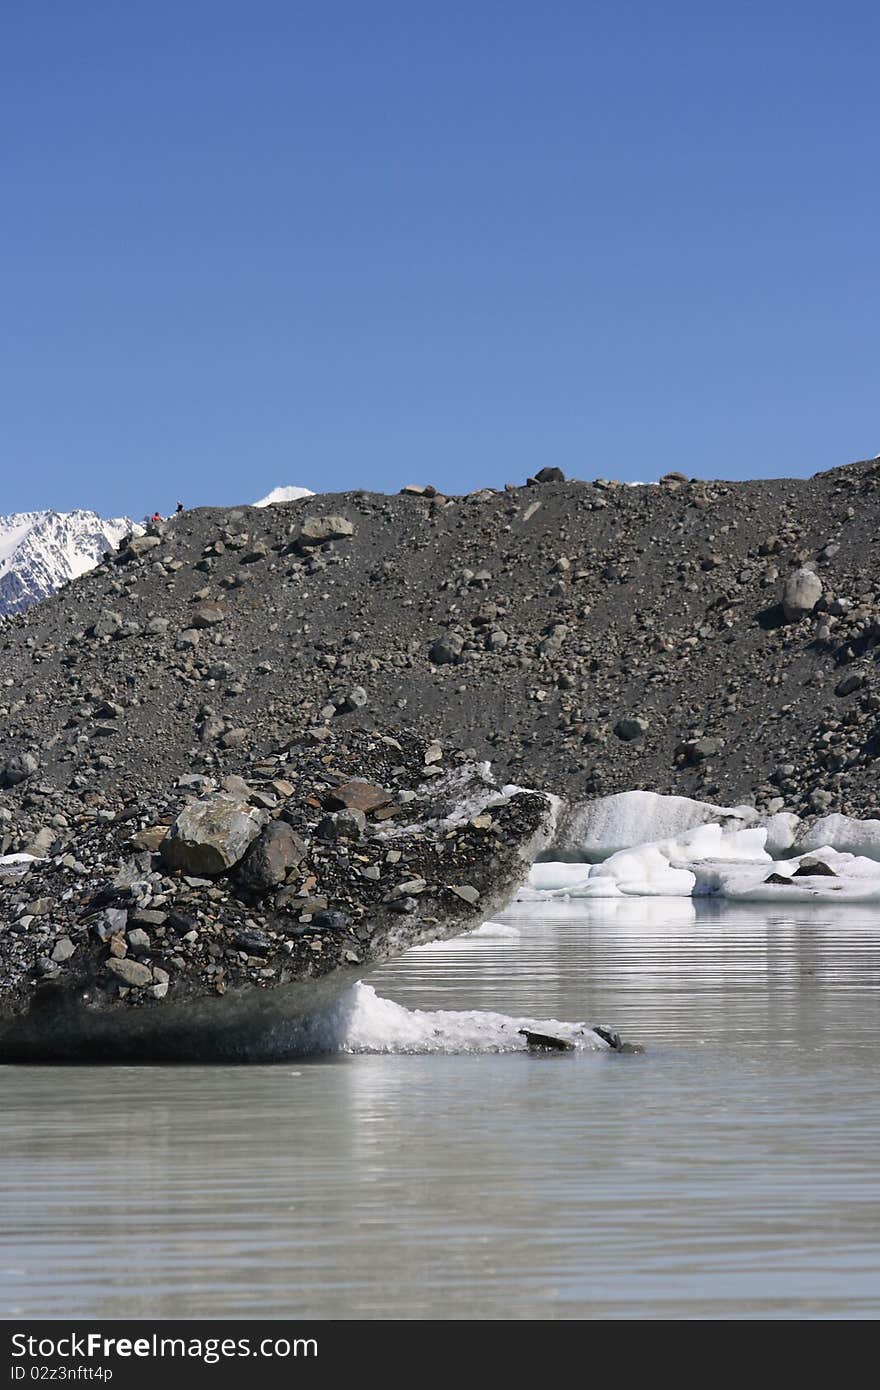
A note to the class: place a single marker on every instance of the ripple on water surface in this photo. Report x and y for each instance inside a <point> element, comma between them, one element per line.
<point>731,1170</point>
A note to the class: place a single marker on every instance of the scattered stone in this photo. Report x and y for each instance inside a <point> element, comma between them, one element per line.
<point>149,839</point>
<point>629,729</point>
<point>849,684</point>
<point>342,825</point>
<point>357,795</point>
<point>465,891</point>
<point>208,615</point>
<point>130,972</point>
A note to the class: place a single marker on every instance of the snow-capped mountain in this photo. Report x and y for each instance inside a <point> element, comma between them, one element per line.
<point>283,494</point>
<point>40,551</point>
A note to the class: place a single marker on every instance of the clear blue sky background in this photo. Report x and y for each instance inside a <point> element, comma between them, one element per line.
<point>364,243</point>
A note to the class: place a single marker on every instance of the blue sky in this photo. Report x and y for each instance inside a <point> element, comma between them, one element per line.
<point>362,244</point>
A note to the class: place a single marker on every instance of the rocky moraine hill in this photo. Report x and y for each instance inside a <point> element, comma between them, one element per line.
<point>717,640</point>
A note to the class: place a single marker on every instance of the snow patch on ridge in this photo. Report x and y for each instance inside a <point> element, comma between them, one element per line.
<point>283,494</point>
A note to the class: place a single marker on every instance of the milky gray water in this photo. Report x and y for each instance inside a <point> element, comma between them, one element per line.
<point>732,1170</point>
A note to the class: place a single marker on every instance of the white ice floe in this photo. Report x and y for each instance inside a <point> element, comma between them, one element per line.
<point>733,857</point>
<point>844,834</point>
<point>362,1021</point>
<point>595,829</point>
<point>499,930</point>
<point>782,831</point>
<point>491,931</point>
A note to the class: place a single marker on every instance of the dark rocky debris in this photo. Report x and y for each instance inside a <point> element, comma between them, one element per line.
<point>212,913</point>
<point>587,637</point>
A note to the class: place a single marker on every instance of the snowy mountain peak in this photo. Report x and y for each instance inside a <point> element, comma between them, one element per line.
<point>40,551</point>
<point>283,494</point>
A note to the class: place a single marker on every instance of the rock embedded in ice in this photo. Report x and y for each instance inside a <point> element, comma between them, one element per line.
<point>189,962</point>
<point>276,851</point>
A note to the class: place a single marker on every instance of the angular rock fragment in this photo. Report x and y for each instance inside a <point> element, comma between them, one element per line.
<point>211,835</point>
<point>276,851</point>
<point>357,795</point>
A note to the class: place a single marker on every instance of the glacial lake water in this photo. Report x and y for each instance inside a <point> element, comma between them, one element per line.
<point>730,1171</point>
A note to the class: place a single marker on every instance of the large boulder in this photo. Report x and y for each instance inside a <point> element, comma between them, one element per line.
<point>802,592</point>
<point>17,768</point>
<point>272,855</point>
<point>447,649</point>
<point>211,835</point>
<point>548,475</point>
<point>318,529</point>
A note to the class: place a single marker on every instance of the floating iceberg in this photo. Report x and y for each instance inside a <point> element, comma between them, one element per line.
<point>595,829</point>
<point>684,854</point>
<point>362,1021</point>
<point>842,833</point>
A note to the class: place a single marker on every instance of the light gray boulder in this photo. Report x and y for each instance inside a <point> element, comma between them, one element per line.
<point>802,592</point>
<point>211,835</point>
